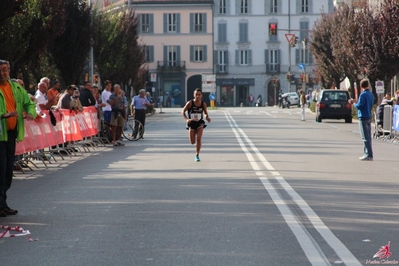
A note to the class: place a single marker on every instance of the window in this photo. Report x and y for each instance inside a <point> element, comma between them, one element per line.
<point>197,22</point>
<point>222,33</point>
<point>244,7</point>
<point>243,57</point>
<point>273,60</point>
<point>222,6</point>
<point>171,22</point>
<point>171,56</point>
<point>304,6</point>
<point>149,53</point>
<point>198,53</point>
<point>304,33</point>
<point>273,6</point>
<point>145,22</point>
<point>243,28</point>
<point>222,61</point>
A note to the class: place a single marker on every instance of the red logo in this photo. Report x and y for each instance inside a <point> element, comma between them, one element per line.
<point>384,251</point>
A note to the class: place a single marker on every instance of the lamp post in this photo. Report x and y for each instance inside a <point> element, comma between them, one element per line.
<point>91,60</point>
<point>304,42</point>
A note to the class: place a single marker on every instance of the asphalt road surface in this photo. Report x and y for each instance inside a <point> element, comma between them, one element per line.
<point>269,190</point>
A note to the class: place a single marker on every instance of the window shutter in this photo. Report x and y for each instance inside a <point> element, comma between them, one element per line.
<point>228,7</point>
<point>310,3</point>
<point>151,23</point>
<point>151,49</point>
<point>165,55</point>
<point>310,59</point>
<point>238,5</point>
<point>204,22</point>
<point>204,54</point>
<point>191,22</point>
<point>237,57</point>
<point>178,55</point>
<point>191,53</point>
<point>245,32</point>
<point>250,6</point>
<point>250,57</point>
<point>298,6</point>
<point>297,56</point>
<point>278,60</point>
<point>279,7</point>
<point>177,23</point>
<point>226,57</point>
<point>267,60</point>
<point>220,32</point>
<point>215,58</point>
<point>139,23</point>
<point>267,7</point>
<point>165,23</point>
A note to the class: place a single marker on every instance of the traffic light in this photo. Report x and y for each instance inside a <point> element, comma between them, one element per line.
<point>272,29</point>
<point>302,78</point>
<point>305,42</point>
<point>307,78</point>
<point>294,41</point>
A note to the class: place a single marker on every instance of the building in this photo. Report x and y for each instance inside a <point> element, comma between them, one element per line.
<point>177,36</point>
<point>252,52</point>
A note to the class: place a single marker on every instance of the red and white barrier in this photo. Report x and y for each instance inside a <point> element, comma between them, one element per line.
<point>71,126</point>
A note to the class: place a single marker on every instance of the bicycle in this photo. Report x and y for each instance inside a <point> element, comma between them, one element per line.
<point>133,129</point>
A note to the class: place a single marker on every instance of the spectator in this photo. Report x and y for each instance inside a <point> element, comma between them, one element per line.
<point>75,104</point>
<point>250,99</point>
<point>66,97</point>
<point>107,109</point>
<point>86,95</point>
<point>364,107</point>
<point>43,103</point>
<point>302,100</point>
<point>14,101</point>
<point>118,115</point>
<point>139,104</point>
<point>54,91</point>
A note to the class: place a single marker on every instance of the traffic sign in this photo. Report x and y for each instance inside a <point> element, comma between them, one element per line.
<point>153,77</point>
<point>209,83</point>
<point>301,66</point>
<point>379,87</point>
<point>289,37</point>
<point>212,97</point>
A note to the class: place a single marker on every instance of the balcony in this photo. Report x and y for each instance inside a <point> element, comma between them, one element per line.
<point>171,66</point>
<point>272,69</point>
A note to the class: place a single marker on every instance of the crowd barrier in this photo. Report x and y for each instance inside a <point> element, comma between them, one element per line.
<point>70,126</point>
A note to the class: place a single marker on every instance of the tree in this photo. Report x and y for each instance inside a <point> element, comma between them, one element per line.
<point>330,71</point>
<point>71,48</point>
<point>117,54</point>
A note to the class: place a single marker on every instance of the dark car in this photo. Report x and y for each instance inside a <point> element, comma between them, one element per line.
<point>333,104</point>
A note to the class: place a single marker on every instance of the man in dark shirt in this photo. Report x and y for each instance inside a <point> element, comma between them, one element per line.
<point>65,99</point>
<point>86,95</point>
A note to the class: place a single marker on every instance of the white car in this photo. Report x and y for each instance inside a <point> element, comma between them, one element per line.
<point>293,97</point>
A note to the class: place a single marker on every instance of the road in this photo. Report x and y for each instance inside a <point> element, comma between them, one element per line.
<point>269,190</point>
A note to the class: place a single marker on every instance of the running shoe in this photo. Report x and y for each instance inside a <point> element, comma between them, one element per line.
<point>197,159</point>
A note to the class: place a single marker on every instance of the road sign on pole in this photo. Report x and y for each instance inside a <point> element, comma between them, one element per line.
<point>209,83</point>
<point>379,87</point>
<point>289,37</point>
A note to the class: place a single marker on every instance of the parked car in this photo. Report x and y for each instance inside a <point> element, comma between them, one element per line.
<point>294,98</point>
<point>333,104</point>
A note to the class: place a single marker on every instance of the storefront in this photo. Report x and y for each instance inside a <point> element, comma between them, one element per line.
<point>233,91</point>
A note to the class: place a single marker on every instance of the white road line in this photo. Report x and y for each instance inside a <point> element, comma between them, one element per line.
<point>308,244</point>
<point>264,112</point>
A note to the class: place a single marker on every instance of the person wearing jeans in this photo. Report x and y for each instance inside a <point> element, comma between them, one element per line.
<point>364,108</point>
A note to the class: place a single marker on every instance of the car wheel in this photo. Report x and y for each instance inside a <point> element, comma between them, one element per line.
<point>348,120</point>
<point>318,119</point>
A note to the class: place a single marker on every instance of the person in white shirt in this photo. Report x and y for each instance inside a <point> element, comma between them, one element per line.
<point>107,109</point>
<point>42,102</point>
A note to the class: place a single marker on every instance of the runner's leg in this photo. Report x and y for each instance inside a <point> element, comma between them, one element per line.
<point>191,136</point>
<point>200,130</point>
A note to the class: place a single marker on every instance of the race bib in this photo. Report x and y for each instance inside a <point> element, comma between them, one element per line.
<point>195,117</point>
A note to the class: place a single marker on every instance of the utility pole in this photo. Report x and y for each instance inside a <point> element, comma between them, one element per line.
<point>91,61</point>
<point>304,42</point>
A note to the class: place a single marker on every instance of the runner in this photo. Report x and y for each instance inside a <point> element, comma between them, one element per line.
<point>195,124</point>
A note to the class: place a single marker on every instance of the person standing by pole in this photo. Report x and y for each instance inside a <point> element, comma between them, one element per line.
<point>364,107</point>
<point>139,107</point>
<point>303,104</point>
<point>14,100</point>
<point>195,123</point>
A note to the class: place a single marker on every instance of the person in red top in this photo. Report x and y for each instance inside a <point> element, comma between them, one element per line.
<point>14,100</point>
